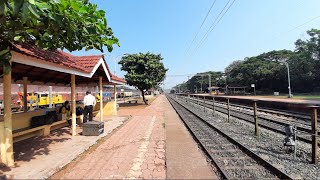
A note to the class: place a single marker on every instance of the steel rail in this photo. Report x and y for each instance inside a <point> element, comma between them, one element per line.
<point>176,105</point>
<point>267,123</point>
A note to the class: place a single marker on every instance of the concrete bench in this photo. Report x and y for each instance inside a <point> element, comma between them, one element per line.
<point>26,133</point>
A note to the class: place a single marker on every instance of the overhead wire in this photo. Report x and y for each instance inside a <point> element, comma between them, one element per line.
<point>214,24</point>
<point>297,27</point>
<point>204,20</point>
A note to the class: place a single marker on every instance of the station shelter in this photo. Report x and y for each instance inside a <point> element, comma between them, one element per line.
<point>34,66</point>
<point>236,90</point>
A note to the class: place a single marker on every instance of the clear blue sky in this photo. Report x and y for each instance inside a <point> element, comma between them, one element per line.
<point>249,28</point>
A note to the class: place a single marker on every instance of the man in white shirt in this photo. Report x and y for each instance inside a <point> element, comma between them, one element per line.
<point>89,102</point>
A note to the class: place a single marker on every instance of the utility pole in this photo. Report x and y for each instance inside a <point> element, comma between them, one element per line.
<point>209,75</point>
<point>187,84</point>
<point>284,61</point>
<point>201,83</point>
<point>289,85</point>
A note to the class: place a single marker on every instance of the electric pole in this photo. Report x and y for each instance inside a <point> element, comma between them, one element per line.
<point>209,75</point>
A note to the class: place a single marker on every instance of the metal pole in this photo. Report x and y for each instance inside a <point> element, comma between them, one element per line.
<point>225,82</point>
<point>187,84</point>
<point>213,107</point>
<point>209,83</point>
<point>289,84</point>
<point>228,106</point>
<point>314,131</point>
<point>255,116</point>
<point>204,103</point>
<point>198,101</point>
<point>188,97</point>
<point>201,83</point>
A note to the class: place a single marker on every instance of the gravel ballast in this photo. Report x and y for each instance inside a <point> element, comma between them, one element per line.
<point>268,144</point>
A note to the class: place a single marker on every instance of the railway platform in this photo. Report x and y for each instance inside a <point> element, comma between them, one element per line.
<point>153,144</point>
<point>40,157</point>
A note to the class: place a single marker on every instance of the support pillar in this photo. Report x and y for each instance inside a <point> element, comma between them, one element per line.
<point>101,98</point>
<point>7,119</point>
<point>25,94</point>
<point>73,104</point>
<point>115,99</point>
<point>50,96</point>
<point>314,131</point>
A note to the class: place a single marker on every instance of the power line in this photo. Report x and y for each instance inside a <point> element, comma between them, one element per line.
<point>297,27</point>
<point>204,20</point>
<point>214,24</point>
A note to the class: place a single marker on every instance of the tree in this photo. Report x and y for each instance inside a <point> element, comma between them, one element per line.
<point>201,79</point>
<point>69,24</point>
<point>144,71</point>
<point>231,66</point>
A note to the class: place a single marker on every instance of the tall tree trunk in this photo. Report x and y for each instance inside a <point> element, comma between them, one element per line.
<point>144,99</point>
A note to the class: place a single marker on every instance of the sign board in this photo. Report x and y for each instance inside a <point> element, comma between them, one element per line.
<point>276,93</point>
<point>252,85</point>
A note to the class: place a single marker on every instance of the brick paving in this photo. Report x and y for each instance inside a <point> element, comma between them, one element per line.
<point>153,144</point>
<point>137,150</point>
<point>40,157</point>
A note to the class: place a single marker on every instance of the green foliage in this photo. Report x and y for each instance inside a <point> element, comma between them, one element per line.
<point>201,80</point>
<point>144,71</point>
<point>268,73</point>
<point>53,24</point>
<point>264,71</point>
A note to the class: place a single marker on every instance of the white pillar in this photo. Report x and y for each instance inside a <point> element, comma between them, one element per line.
<point>8,119</point>
<point>115,99</point>
<point>73,104</point>
<point>101,98</point>
<point>25,94</point>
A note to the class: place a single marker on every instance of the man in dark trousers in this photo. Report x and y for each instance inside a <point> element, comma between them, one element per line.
<point>89,102</point>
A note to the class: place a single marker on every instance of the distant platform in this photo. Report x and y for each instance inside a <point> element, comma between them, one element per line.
<point>271,98</point>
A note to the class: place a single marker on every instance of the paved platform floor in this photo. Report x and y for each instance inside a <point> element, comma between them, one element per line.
<point>183,157</point>
<point>137,150</point>
<point>40,157</point>
<point>153,144</point>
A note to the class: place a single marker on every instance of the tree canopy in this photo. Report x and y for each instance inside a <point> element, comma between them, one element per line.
<point>144,71</point>
<point>268,73</point>
<point>69,24</point>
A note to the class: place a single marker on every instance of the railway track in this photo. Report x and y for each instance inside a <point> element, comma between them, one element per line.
<point>268,121</point>
<point>233,160</point>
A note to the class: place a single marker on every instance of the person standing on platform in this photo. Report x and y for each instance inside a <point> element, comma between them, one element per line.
<point>89,102</point>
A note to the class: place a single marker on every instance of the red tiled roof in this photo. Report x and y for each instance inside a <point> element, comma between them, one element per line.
<point>82,63</point>
<point>116,78</point>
